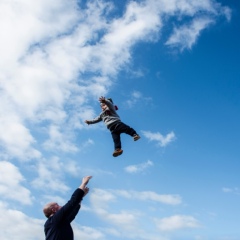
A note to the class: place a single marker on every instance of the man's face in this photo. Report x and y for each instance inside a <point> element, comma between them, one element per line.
<point>50,209</point>
<point>55,207</point>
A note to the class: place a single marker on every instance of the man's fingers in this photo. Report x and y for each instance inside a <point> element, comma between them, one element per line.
<point>86,179</point>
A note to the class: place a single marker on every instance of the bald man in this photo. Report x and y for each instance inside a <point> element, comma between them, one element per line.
<point>58,224</point>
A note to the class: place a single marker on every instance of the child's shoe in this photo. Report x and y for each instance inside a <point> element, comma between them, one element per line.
<point>136,137</point>
<point>117,152</point>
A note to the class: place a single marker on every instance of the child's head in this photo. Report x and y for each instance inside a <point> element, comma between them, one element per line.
<point>103,106</point>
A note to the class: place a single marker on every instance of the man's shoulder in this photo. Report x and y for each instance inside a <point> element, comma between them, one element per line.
<point>48,222</point>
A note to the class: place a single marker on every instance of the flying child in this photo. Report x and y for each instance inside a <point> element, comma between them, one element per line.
<point>113,122</point>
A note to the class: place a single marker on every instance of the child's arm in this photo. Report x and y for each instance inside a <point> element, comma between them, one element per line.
<point>95,120</point>
<point>108,103</point>
<point>110,106</point>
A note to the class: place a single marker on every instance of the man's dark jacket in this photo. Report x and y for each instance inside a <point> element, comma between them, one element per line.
<point>58,226</point>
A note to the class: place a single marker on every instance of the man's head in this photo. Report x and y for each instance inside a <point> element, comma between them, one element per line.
<point>50,208</point>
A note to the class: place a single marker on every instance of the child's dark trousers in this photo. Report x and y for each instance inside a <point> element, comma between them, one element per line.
<point>117,129</point>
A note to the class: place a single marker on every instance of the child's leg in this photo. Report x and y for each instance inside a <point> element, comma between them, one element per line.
<point>123,128</point>
<point>116,140</point>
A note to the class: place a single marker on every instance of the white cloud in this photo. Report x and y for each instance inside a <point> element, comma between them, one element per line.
<point>234,190</point>
<point>150,196</point>
<point>86,144</point>
<point>186,35</point>
<point>163,141</point>
<point>227,190</point>
<point>59,141</point>
<point>15,138</point>
<point>16,225</point>
<point>100,197</point>
<point>128,219</point>
<point>50,174</point>
<point>138,167</point>
<point>203,13</point>
<point>135,25</point>
<point>87,233</point>
<point>41,20</point>
<point>137,97</point>
<point>10,184</point>
<point>125,219</point>
<point>176,222</point>
<point>73,168</point>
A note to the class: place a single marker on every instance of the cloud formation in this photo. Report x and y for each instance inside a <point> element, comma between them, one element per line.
<point>138,167</point>
<point>185,36</point>
<point>11,184</point>
<point>18,225</point>
<point>234,190</point>
<point>161,140</point>
<point>129,220</point>
<point>176,222</point>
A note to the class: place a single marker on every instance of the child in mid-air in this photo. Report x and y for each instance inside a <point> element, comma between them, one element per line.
<point>113,122</point>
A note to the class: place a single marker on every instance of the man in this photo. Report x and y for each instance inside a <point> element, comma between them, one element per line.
<point>58,224</point>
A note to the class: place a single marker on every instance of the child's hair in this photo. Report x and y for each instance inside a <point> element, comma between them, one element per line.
<point>110,99</point>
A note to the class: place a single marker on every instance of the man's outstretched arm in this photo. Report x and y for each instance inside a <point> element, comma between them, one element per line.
<point>75,211</point>
<point>71,208</point>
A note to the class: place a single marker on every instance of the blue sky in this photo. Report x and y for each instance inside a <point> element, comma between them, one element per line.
<point>172,68</point>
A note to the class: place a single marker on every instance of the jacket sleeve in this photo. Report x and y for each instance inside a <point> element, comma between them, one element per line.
<point>70,209</point>
<point>74,212</point>
<point>110,106</point>
<point>95,120</point>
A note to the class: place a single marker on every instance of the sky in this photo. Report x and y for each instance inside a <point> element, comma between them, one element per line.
<point>171,67</point>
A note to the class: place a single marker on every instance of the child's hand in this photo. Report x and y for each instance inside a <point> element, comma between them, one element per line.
<point>102,99</point>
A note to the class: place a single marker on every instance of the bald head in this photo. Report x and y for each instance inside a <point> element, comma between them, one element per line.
<point>50,208</point>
